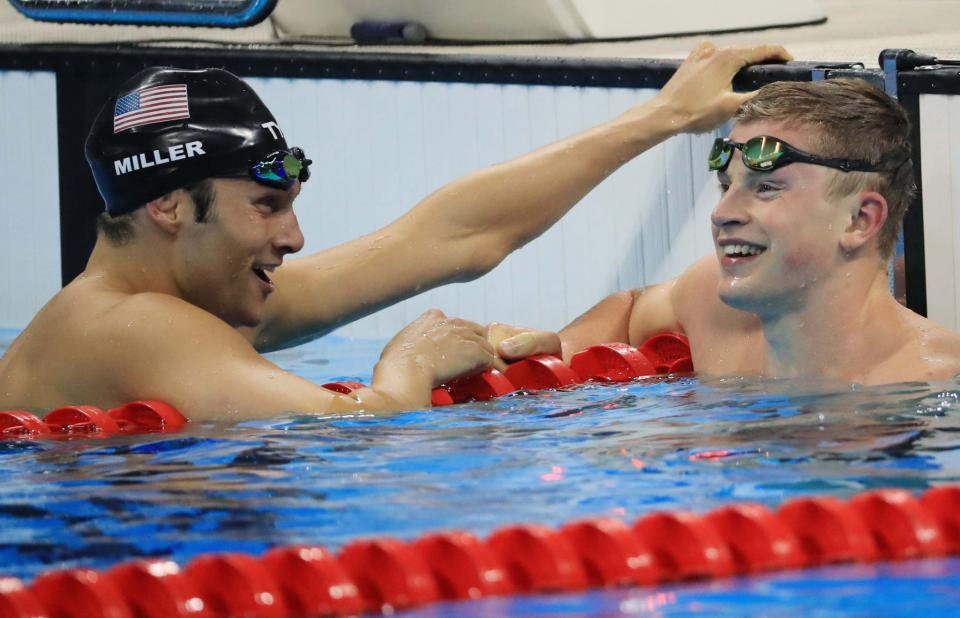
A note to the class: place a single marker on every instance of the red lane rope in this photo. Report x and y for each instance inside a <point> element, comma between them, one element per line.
<point>383,575</point>
<point>609,362</point>
<point>92,422</point>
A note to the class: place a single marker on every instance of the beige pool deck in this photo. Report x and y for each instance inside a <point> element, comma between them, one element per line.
<point>855,31</point>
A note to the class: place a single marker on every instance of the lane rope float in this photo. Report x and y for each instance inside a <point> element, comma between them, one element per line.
<point>664,353</point>
<point>72,422</point>
<point>384,575</point>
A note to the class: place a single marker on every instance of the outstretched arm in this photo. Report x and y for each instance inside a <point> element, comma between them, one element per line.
<point>467,227</point>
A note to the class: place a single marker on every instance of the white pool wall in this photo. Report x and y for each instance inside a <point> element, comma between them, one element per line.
<point>30,199</point>
<point>940,163</point>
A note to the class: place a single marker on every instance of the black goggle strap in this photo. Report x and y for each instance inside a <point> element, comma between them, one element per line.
<point>723,148</point>
<point>792,155</point>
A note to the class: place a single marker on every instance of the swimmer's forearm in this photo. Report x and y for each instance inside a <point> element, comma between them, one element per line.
<point>507,205</point>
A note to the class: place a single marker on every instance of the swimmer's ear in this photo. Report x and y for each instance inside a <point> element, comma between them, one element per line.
<point>866,222</point>
<point>167,211</point>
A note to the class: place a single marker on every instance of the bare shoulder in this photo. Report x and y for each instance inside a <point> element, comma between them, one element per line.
<point>163,312</point>
<point>140,345</point>
<point>94,346</point>
<point>939,349</point>
<point>932,353</point>
<point>168,349</point>
<point>171,327</point>
<point>661,306</point>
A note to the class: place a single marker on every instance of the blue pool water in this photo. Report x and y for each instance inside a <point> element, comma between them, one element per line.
<point>621,450</point>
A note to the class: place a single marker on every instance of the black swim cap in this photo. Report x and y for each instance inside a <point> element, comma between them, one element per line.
<point>167,128</point>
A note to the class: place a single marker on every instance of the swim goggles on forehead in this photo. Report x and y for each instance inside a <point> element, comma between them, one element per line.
<point>280,169</point>
<point>765,154</point>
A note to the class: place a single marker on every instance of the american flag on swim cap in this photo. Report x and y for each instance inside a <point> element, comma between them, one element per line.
<point>150,105</point>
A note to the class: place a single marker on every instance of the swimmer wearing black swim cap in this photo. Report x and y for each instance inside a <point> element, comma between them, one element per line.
<point>167,128</point>
<point>188,283</point>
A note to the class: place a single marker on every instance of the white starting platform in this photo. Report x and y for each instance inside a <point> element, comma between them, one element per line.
<point>544,20</point>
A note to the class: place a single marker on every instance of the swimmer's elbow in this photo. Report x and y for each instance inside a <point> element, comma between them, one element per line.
<point>476,257</point>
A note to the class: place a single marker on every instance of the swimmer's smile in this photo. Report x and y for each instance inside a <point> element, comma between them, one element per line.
<point>261,270</point>
<point>734,251</point>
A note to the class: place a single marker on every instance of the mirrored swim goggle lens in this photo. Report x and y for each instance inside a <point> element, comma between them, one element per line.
<point>719,155</point>
<point>282,168</point>
<point>759,153</point>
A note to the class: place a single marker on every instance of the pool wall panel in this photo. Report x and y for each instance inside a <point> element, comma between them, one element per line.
<point>382,146</point>
<point>940,145</point>
<point>30,240</point>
